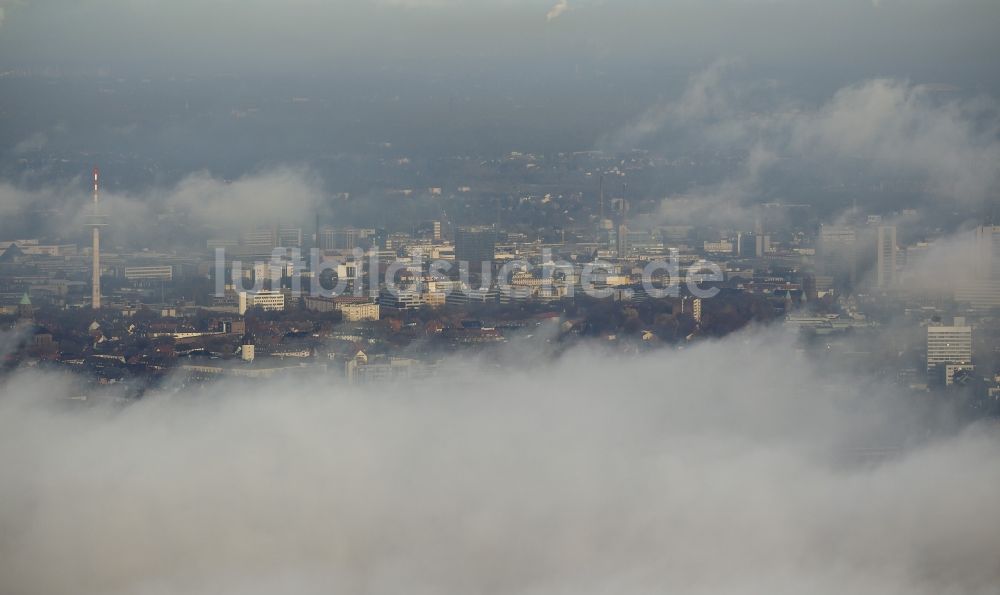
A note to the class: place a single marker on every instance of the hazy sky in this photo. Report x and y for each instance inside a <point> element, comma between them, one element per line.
<point>907,87</point>
<point>843,40</point>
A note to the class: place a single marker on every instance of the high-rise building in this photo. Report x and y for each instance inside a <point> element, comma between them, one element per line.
<point>885,269</point>
<point>979,293</point>
<point>623,245</point>
<point>837,253</point>
<point>338,239</point>
<point>752,244</point>
<point>988,251</point>
<point>346,239</point>
<point>948,346</point>
<point>325,238</point>
<point>983,290</point>
<point>259,242</point>
<point>475,245</point>
<point>290,237</point>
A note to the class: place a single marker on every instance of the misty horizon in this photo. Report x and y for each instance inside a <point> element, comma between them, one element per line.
<point>499,296</point>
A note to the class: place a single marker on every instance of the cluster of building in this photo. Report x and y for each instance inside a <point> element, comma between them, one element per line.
<point>232,296</point>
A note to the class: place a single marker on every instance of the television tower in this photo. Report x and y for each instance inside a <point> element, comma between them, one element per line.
<point>96,223</point>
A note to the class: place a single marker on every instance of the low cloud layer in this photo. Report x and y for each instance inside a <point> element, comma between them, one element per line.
<point>900,126</point>
<point>948,141</point>
<point>593,475</point>
<point>286,195</point>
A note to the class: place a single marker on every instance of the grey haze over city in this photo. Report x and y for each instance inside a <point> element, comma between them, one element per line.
<point>736,328</point>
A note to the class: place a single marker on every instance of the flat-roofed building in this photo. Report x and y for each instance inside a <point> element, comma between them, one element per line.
<point>270,301</point>
<point>290,237</point>
<point>475,245</point>
<point>980,294</point>
<point>149,273</point>
<point>837,253</point>
<point>359,312</point>
<point>400,299</point>
<point>948,347</point>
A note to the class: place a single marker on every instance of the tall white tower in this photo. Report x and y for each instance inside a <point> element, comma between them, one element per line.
<point>96,223</point>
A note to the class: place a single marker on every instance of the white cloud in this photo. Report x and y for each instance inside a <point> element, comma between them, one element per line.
<point>705,98</point>
<point>283,194</point>
<point>953,143</point>
<point>557,10</point>
<point>591,474</point>
<point>922,132</point>
<point>13,199</point>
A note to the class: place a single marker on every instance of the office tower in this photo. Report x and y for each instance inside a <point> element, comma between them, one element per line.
<point>436,233</point>
<point>325,238</point>
<point>344,239</point>
<point>290,237</point>
<point>837,253</point>
<point>988,251</point>
<point>982,291</point>
<point>623,244</point>
<point>949,349</point>
<point>475,245</point>
<point>885,269</point>
<point>259,242</point>
<point>746,245</point>
<point>339,239</point>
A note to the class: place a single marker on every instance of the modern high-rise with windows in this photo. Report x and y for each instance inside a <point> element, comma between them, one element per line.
<point>475,245</point>
<point>885,267</point>
<point>948,347</point>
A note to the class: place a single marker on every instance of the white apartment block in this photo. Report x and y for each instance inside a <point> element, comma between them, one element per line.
<point>359,312</point>
<point>948,345</point>
<point>271,301</point>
